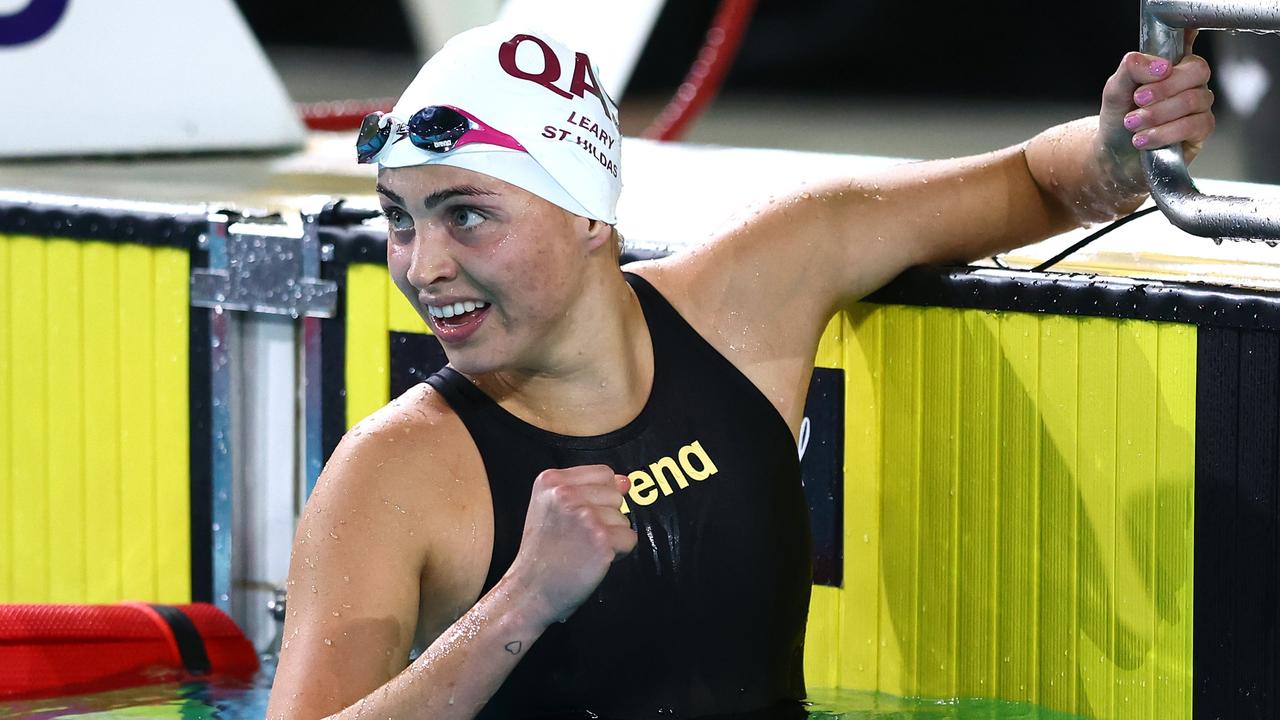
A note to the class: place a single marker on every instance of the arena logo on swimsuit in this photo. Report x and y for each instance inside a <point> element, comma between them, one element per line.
<point>584,78</point>
<point>646,487</point>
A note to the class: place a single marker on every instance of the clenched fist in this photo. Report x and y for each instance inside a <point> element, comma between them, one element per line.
<point>574,531</point>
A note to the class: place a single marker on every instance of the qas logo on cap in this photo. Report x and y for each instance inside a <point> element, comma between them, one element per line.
<point>584,78</point>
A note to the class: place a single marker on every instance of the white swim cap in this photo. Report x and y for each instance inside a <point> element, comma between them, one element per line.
<point>536,90</point>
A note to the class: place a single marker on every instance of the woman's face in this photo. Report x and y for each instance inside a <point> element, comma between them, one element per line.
<point>514,261</point>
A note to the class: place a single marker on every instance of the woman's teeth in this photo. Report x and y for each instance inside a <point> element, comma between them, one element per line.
<point>448,311</point>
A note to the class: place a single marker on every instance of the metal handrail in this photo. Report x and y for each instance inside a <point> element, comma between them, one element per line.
<point>1218,216</point>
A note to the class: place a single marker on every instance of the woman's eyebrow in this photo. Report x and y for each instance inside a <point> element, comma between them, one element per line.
<point>390,195</point>
<point>435,198</point>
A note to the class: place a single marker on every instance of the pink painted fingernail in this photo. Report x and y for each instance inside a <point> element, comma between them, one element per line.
<point>1143,96</point>
<point>1132,121</point>
<point>1158,67</point>
<point>1140,140</point>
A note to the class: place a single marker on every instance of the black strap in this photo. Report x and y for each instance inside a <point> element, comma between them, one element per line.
<point>190,644</point>
<point>1094,236</point>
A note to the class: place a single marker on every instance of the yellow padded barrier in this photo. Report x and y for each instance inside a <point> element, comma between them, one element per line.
<point>368,346</point>
<point>173,420</point>
<point>6,426</point>
<point>376,309</point>
<point>401,317</point>
<point>64,310</point>
<point>103,397</point>
<point>94,418</point>
<point>28,415</point>
<point>1018,510</point>
<point>137,449</point>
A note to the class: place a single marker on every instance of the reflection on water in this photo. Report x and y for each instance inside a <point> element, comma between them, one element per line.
<point>234,701</point>
<point>187,701</point>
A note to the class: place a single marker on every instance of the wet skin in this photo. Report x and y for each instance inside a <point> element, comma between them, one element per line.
<point>561,323</point>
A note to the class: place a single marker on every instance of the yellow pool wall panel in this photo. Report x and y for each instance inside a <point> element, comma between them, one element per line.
<point>6,426</point>
<point>1018,511</point>
<point>173,425</point>
<point>64,309</point>
<point>103,397</point>
<point>94,444</point>
<point>28,482</point>
<point>376,309</point>
<point>368,346</point>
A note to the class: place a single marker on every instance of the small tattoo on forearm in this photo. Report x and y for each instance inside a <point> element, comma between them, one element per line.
<point>514,647</point>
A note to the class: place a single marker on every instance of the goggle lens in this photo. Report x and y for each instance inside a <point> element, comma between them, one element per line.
<point>372,138</point>
<point>437,128</point>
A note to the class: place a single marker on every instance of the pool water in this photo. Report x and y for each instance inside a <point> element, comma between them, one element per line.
<point>231,701</point>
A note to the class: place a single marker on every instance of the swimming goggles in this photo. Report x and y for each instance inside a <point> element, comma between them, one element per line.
<point>438,129</point>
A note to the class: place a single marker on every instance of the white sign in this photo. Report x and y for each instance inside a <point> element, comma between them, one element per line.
<point>95,77</point>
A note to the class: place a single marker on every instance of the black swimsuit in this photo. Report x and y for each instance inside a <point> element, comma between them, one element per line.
<point>707,615</point>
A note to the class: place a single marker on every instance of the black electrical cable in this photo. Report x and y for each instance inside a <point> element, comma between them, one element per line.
<point>1093,236</point>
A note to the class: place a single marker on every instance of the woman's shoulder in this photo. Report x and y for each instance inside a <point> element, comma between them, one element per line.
<point>411,455</point>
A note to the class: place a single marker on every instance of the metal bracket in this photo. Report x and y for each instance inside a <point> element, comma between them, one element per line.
<point>1218,216</point>
<point>267,268</point>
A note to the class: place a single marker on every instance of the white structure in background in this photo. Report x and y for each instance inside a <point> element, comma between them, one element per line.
<point>144,76</point>
<point>432,22</point>
<point>267,431</point>
<point>613,34</point>
<point>1245,81</point>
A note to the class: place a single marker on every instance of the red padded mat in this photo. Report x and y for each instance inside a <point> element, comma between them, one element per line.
<point>70,649</point>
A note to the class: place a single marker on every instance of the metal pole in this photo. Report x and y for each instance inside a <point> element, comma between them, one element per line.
<point>312,399</point>
<point>221,341</point>
<point>1219,216</point>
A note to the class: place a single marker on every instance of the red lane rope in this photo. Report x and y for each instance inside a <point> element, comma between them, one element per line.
<point>707,72</point>
<point>341,114</point>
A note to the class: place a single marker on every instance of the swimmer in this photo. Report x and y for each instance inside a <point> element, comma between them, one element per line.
<point>596,506</point>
